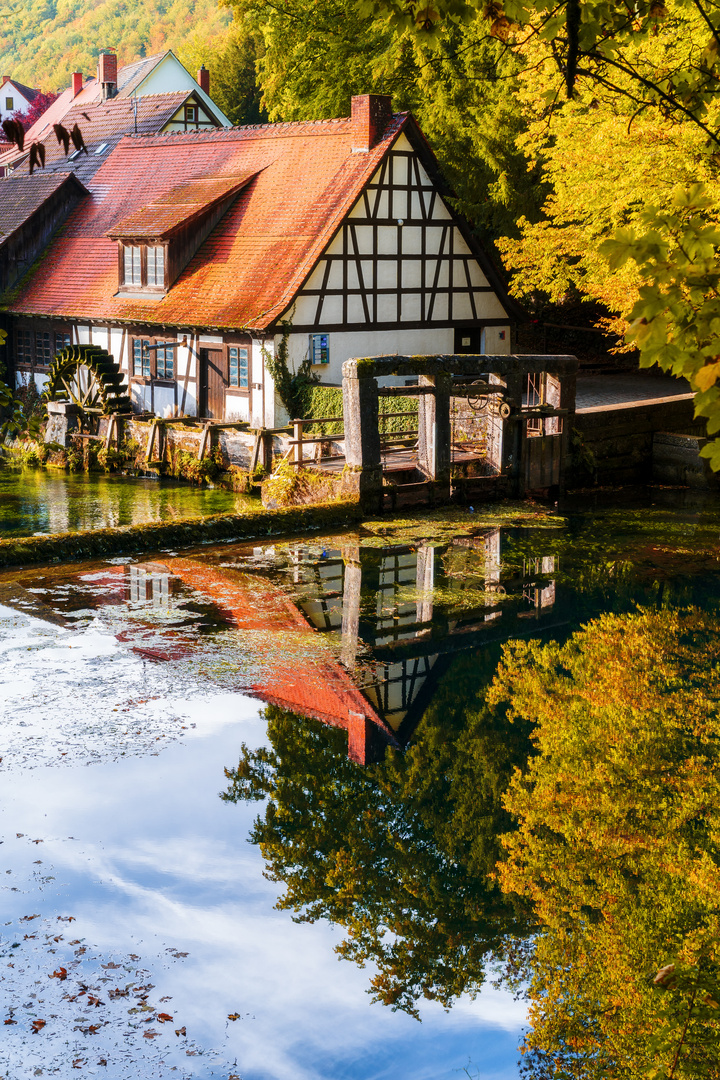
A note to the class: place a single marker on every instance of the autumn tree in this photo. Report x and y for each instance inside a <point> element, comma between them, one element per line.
<point>398,854</point>
<point>617,845</point>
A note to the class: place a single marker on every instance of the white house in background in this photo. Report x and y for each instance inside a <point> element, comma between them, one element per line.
<point>14,97</point>
<point>120,101</point>
<point>195,250</point>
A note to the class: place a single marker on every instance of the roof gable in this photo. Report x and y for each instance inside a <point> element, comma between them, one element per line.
<point>301,182</point>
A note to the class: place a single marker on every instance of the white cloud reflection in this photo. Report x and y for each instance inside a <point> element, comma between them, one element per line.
<point>159,862</point>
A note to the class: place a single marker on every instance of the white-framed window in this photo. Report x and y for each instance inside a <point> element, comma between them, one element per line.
<point>238,370</point>
<point>156,266</point>
<point>132,264</point>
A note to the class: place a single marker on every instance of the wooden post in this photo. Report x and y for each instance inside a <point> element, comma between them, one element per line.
<point>112,421</point>
<point>298,437</point>
<point>203,442</point>
<point>151,441</point>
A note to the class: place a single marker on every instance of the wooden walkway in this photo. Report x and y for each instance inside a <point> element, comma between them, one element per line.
<point>399,461</point>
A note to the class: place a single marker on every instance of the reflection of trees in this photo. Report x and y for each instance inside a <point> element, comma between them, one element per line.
<point>399,854</point>
<point>618,845</point>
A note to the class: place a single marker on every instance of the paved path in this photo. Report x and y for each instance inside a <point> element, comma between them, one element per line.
<point>599,392</point>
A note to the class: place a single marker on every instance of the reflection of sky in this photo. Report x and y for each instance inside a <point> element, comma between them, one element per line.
<point>159,862</point>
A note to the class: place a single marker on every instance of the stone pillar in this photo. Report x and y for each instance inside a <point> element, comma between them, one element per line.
<point>434,431</point>
<point>352,585</point>
<point>362,440</point>
<point>513,449</point>
<point>63,420</point>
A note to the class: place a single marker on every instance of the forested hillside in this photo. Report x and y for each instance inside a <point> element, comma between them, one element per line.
<point>43,41</point>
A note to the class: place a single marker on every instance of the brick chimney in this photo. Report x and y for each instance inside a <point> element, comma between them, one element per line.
<point>77,82</point>
<point>371,114</point>
<point>203,79</point>
<point>107,74</point>
<point>5,78</point>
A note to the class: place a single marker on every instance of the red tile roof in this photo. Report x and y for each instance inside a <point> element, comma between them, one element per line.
<point>178,207</point>
<point>248,271</point>
<point>298,674</point>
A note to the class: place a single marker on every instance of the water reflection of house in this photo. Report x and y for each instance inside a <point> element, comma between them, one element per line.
<point>387,639</point>
<point>395,637</point>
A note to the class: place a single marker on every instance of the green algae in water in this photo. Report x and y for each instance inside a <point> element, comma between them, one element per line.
<point>40,501</point>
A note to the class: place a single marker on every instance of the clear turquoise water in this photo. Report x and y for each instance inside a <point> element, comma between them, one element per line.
<point>127,689</point>
<point>46,501</point>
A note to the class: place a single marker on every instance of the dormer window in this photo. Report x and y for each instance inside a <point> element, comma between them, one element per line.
<point>156,241</point>
<point>143,267</point>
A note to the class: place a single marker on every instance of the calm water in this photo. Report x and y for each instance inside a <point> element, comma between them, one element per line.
<point>159,714</point>
<point>46,501</point>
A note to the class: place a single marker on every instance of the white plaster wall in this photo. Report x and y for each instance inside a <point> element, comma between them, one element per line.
<point>22,378</point>
<point>360,343</point>
<point>237,407</point>
<point>169,77</point>
<point>164,400</point>
<point>141,398</point>
<point>494,344</point>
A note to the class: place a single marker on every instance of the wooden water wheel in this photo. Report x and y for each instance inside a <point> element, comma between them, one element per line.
<point>88,376</point>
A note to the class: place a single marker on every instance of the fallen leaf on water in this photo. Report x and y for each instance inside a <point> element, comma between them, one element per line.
<point>233,1016</point>
<point>178,1031</point>
<point>29,918</point>
<point>38,1025</point>
<point>92,1000</point>
<point>60,974</point>
<point>66,918</point>
<point>150,1034</point>
<point>11,1021</point>
<point>78,1063</point>
<point>164,1017</point>
<point>38,841</point>
<point>102,1061</point>
<point>111,965</point>
<point>81,951</point>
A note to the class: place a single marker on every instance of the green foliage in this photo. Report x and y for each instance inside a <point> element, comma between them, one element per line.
<point>675,323</point>
<point>314,399</point>
<point>42,41</point>
<point>291,387</point>
<point>191,468</point>
<point>617,845</point>
<point>399,854</point>
<point>318,55</point>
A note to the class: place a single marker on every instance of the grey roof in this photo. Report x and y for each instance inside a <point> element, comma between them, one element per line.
<point>102,126</point>
<point>130,76</point>
<point>22,196</point>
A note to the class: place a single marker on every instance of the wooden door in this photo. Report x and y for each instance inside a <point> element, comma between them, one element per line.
<point>213,380</point>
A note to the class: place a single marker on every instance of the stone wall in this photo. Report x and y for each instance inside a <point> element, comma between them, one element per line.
<point>613,444</point>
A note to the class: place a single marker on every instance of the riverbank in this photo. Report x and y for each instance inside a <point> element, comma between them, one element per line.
<point>135,539</point>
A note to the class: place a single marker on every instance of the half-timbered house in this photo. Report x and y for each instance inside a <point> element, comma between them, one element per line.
<point>194,253</point>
